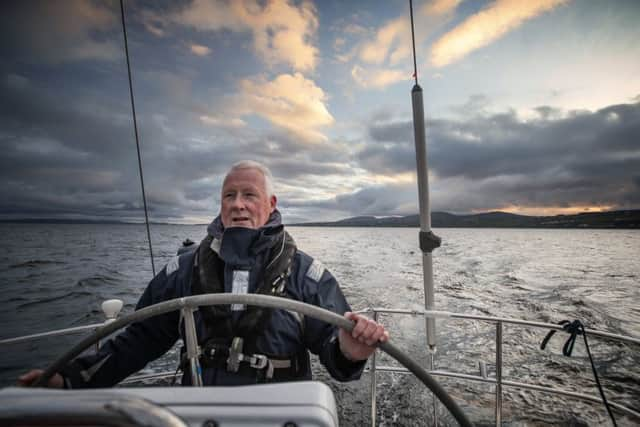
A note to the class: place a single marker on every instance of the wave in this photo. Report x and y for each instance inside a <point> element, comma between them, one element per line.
<point>511,278</point>
<point>84,291</point>
<point>48,300</point>
<point>618,275</point>
<point>35,263</point>
<point>13,299</point>
<point>96,281</point>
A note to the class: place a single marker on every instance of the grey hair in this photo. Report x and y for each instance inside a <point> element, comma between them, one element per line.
<point>252,164</point>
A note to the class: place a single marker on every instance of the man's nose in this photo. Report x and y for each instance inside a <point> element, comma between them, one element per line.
<point>237,202</point>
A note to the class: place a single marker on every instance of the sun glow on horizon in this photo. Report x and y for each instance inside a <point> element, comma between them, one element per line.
<point>556,210</point>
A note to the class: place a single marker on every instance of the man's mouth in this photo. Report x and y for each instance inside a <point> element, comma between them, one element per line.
<point>240,219</point>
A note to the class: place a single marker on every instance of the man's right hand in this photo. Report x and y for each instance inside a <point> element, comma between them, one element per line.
<point>27,380</point>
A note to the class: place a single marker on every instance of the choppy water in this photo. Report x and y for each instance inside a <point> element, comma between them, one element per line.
<point>56,276</point>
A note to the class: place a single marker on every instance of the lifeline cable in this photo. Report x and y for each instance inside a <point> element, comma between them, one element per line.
<point>574,329</point>
<point>135,129</point>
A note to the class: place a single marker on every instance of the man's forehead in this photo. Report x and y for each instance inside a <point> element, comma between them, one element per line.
<point>245,177</point>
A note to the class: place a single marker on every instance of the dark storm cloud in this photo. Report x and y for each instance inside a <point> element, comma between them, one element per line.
<point>47,114</point>
<point>66,130</point>
<point>378,200</point>
<point>72,153</point>
<point>291,168</point>
<point>580,158</point>
<point>68,149</point>
<point>388,158</point>
<point>55,33</point>
<point>47,164</point>
<point>391,132</point>
<point>63,152</point>
<point>67,155</point>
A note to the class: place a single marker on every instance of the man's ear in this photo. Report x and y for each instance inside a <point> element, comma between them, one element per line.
<point>273,201</point>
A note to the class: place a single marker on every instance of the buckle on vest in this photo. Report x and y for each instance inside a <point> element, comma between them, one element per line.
<point>256,361</point>
<point>235,355</point>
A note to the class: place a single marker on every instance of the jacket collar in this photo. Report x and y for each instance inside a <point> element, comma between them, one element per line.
<point>239,246</point>
<point>216,229</point>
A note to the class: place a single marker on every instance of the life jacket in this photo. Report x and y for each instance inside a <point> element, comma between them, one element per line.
<point>227,342</point>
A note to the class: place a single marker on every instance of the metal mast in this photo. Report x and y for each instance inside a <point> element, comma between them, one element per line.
<point>428,240</point>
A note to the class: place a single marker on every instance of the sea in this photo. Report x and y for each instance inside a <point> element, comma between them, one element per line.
<point>56,276</point>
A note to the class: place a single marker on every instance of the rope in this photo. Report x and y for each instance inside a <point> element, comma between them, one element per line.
<point>175,375</point>
<point>574,329</point>
<point>135,128</point>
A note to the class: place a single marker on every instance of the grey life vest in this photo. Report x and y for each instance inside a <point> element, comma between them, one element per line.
<point>208,277</point>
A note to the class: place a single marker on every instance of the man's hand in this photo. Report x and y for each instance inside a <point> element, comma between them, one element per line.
<point>27,380</point>
<point>359,344</point>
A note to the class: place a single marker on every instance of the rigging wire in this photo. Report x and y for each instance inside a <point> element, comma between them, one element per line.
<point>413,42</point>
<point>135,128</point>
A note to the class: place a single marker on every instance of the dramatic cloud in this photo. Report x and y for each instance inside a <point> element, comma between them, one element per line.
<point>289,101</point>
<point>377,78</point>
<point>47,165</point>
<point>378,200</point>
<point>293,104</point>
<point>490,161</point>
<point>220,81</point>
<point>393,39</point>
<point>63,151</point>
<point>384,54</point>
<point>485,27</point>
<point>391,45</point>
<point>81,30</point>
<point>282,32</point>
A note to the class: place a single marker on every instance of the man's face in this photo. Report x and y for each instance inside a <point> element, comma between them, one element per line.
<point>244,199</point>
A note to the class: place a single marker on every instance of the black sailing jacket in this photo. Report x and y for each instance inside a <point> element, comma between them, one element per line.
<point>283,335</point>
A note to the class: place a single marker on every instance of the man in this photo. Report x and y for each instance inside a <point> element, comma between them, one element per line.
<point>246,250</point>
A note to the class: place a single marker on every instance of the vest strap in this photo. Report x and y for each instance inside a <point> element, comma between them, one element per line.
<point>232,359</point>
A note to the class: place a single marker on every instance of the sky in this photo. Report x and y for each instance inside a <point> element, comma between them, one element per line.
<point>532,107</point>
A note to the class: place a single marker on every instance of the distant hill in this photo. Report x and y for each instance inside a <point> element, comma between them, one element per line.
<point>613,219</point>
<point>61,221</point>
<point>55,221</point>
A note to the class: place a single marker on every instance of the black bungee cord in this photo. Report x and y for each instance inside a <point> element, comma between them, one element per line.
<point>135,128</point>
<point>574,329</point>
